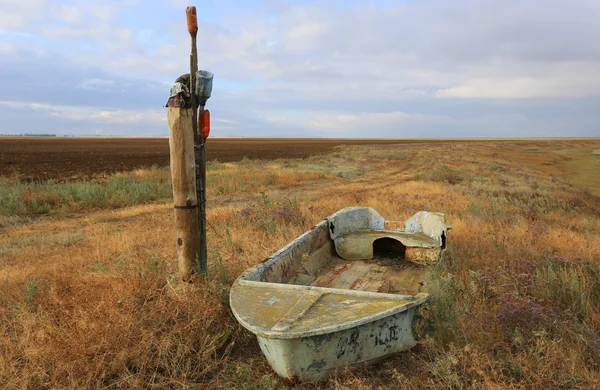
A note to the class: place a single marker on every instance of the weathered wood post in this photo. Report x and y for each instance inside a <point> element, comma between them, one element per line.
<point>183,176</point>
<point>188,159</point>
<point>192,23</point>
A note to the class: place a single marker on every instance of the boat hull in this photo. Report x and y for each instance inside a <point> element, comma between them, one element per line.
<point>315,310</point>
<point>309,359</point>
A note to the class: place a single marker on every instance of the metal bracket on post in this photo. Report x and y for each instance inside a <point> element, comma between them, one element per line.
<point>201,181</point>
<point>201,88</point>
<point>200,265</point>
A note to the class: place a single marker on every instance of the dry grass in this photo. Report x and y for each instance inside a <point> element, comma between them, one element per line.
<point>88,300</point>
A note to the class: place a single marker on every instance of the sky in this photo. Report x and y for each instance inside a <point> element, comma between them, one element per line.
<point>328,68</point>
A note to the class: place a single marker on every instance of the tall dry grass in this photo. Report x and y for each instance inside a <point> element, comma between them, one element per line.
<point>89,300</point>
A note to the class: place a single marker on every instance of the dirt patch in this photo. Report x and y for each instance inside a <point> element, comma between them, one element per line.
<point>72,158</point>
<point>597,151</point>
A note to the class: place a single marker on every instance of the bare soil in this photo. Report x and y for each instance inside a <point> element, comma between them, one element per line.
<point>72,158</point>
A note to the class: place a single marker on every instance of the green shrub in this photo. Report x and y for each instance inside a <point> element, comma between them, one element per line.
<point>121,189</point>
<point>569,286</point>
<point>442,313</point>
<point>442,174</point>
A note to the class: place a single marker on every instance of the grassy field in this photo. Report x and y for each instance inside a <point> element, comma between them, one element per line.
<point>581,168</point>
<point>89,297</point>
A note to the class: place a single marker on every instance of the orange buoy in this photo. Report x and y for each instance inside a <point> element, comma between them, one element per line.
<point>192,20</point>
<point>204,124</point>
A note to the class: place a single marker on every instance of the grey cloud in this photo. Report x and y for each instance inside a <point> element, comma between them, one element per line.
<point>21,120</point>
<point>57,80</point>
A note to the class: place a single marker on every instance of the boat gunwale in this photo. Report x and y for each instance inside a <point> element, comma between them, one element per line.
<point>269,261</point>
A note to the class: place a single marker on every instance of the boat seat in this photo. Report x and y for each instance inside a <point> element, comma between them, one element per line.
<point>359,245</point>
<point>356,231</point>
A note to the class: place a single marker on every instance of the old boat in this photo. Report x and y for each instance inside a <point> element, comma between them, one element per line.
<point>344,292</point>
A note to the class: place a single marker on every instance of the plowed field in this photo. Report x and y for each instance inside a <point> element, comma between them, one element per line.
<point>63,159</point>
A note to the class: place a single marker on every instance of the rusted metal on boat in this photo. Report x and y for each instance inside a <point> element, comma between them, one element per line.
<point>342,293</point>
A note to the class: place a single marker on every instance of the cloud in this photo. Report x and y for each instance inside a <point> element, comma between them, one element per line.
<point>526,79</point>
<point>69,14</point>
<point>96,84</point>
<point>423,68</point>
<point>82,113</point>
<point>16,14</point>
<point>362,123</point>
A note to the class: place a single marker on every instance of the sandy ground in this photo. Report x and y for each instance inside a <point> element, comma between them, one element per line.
<point>597,151</point>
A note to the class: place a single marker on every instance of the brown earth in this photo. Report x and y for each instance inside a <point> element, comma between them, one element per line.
<point>63,159</point>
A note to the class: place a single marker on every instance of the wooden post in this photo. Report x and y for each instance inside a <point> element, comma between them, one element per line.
<point>192,23</point>
<point>183,176</point>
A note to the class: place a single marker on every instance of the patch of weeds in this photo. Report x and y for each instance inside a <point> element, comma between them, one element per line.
<point>270,178</point>
<point>31,287</point>
<point>479,285</point>
<point>443,174</point>
<point>567,379</point>
<point>6,250</point>
<point>499,243</point>
<point>45,240</point>
<point>512,369</point>
<point>227,237</point>
<point>521,271</point>
<point>217,272</point>
<point>70,238</point>
<point>520,316</point>
<point>497,213</point>
<point>149,279</point>
<point>248,163</point>
<point>444,368</point>
<point>215,165</point>
<point>587,224</point>
<point>120,189</point>
<point>13,220</point>
<point>243,375</point>
<point>263,214</point>
<point>440,316</point>
<point>99,267</point>
<point>289,211</point>
<point>266,214</point>
<point>31,291</point>
<point>574,287</point>
<point>151,269</point>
